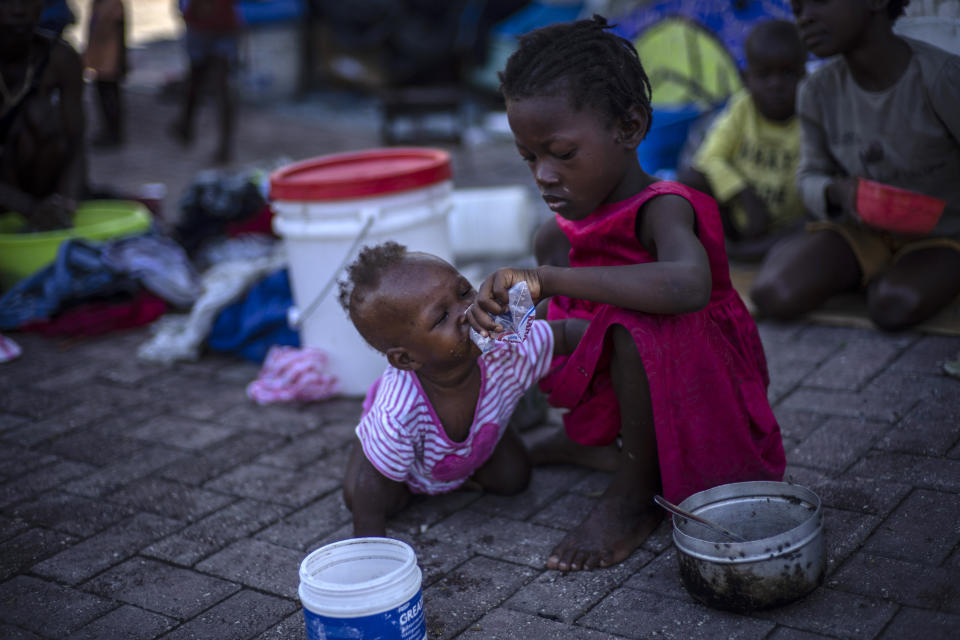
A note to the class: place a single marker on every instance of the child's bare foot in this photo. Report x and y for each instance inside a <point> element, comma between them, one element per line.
<point>557,448</point>
<point>616,526</point>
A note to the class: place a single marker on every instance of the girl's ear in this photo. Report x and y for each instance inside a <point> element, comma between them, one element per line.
<point>630,128</point>
<point>400,358</point>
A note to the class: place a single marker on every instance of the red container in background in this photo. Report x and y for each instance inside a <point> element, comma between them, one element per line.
<point>895,209</point>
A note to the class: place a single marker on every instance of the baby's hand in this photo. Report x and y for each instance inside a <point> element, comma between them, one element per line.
<point>493,296</point>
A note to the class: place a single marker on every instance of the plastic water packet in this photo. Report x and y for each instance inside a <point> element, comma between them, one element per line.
<point>515,319</point>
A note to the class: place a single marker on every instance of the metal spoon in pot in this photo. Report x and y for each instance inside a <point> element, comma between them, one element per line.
<point>674,509</point>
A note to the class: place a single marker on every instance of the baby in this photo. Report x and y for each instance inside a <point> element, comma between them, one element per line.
<point>438,415</point>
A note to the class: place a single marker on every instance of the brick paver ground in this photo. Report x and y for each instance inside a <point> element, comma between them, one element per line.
<point>140,501</point>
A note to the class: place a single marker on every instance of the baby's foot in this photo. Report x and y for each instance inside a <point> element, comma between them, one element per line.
<point>615,527</point>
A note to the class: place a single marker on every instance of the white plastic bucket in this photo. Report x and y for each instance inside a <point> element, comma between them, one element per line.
<point>326,209</point>
<point>363,588</point>
<point>491,222</point>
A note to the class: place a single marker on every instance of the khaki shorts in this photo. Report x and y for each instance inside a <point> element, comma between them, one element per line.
<point>876,249</point>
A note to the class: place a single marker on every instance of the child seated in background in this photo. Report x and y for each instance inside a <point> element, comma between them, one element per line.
<point>886,109</point>
<point>438,415</point>
<point>748,160</point>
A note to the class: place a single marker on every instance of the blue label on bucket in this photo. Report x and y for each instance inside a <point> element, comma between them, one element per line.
<point>405,622</point>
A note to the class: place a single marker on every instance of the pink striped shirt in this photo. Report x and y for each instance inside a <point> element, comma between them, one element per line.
<point>403,438</point>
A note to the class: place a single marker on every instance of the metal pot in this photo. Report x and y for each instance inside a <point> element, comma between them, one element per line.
<point>783,558</point>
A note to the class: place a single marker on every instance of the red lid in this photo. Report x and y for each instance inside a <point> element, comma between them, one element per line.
<point>360,174</point>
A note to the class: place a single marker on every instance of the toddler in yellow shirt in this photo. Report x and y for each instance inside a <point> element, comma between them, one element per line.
<point>748,159</point>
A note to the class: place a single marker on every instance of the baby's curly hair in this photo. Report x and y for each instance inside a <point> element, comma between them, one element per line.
<point>586,61</point>
<point>364,274</point>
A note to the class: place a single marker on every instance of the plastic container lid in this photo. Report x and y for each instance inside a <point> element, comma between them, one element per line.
<point>360,174</point>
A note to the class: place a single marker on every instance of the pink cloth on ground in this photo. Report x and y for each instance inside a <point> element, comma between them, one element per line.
<point>706,370</point>
<point>291,374</point>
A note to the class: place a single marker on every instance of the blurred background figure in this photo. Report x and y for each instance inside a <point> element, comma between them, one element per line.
<point>42,159</point>
<point>106,57</point>
<point>212,40</point>
<point>57,16</point>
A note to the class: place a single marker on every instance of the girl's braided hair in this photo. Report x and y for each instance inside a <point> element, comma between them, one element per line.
<point>585,61</point>
<point>364,274</point>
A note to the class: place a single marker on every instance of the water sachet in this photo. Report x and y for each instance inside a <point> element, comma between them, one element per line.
<point>515,319</point>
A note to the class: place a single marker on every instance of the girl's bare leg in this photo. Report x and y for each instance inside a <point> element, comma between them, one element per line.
<point>922,283</point>
<point>625,515</point>
<point>801,273</point>
<point>370,496</point>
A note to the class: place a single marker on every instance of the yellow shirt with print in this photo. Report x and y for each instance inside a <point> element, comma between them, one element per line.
<point>743,148</point>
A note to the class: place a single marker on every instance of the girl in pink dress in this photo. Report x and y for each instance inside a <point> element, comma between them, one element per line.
<point>667,388</point>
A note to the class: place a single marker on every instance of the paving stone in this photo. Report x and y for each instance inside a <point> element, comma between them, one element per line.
<point>215,531</point>
<point>910,583</point>
<point>593,484</point>
<point>837,444</point>
<point>929,430</point>
<point>777,334</point>
<point>834,613</point>
<point>545,485</point>
<point>566,512</point>
<point>304,449</point>
<point>29,547</point>
<point>869,404</point>
<point>203,466</point>
<point>129,623</point>
<point>237,618</point>
<point>567,596</point>
<point>435,557</point>
<point>857,362</point>
<point>798,423</point>
<point>69,513</point>
<point>129,372</point>
<point>97,449</point>
<point>181,433</point>
<point>170,499</point>
<point>920,471</point>
<point>108,479</point>
<point>299,528</point>
<point>786,633</point>
<point>852,493</point>
<point>41,480</point>
<point>277,420</point>
<point>257,564</point>
<point>927,519</point>
<point>814,343</point>
<point>922,623</point>
<point>422,512</point>
<point>844,533</point>
<point>8,632</point>
<point>661,539</point>
<point>31,403</point>
<point>466,593</point>
<point>643,614</point>
<point>167,590</point>
<point>16,460</point>
<point>293,627</point>
<point>519,542</point>
<point>9,422</point>
<point>72,417</point>
<point>46,608</point>
<point>927,355</point>
<point>112,546</point>
<point>11,527</point>
<point>662,576</point>
<point>80,373</point>
<point>259,482</point>
<point>504,624</point>
<point>786,374</point>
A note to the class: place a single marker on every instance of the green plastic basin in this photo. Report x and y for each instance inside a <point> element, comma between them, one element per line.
<point>22,254</point>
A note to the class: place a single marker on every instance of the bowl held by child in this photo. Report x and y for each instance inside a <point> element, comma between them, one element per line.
<point>898,210</point>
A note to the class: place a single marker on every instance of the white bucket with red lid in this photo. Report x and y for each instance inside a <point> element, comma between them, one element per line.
<point>326,209</point>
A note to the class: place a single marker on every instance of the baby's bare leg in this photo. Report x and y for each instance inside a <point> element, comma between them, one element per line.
<point>507,472</point>
<point>625,514</point>
<point>370,496</point>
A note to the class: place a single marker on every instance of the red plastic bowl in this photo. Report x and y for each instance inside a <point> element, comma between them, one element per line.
<point>899,210</point>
